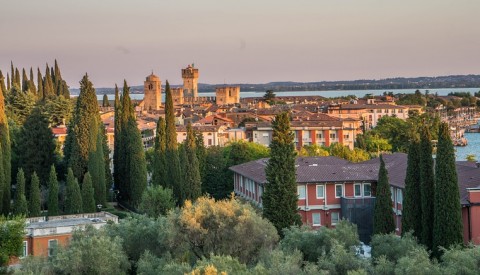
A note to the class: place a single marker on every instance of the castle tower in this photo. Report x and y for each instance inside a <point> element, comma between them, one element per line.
<point>190,82</point>
<point>227,95</point>
<point>153,93</point>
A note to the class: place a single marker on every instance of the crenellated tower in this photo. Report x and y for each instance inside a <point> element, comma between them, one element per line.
<point>190,82</point>
<point>153,93</point>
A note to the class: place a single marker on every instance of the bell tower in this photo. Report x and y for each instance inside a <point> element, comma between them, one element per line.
<point>153,93</point>
<point>190,82</point>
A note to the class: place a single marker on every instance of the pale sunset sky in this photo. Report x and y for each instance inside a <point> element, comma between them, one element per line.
<point>247,41</point>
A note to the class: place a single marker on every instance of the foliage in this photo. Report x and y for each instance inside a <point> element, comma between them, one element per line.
<point>395,130</point>
<point>34,203</point>
<point>20,206</point>
<point>159,172</point>
<point>340,260</point>
<point>88,200</point>
<point>11,237</point>
<point>416,261</point>
<point>342,151</point>
<point>383,222</point>
<point>269,96</point>
<point>53,209</point>
<point>280,200</point>
<point>313,150</point>
<point>19,104</point>
<point>105,102</point>
<point>217,178</point>
<point>58,110</point>
<point>448,226</point>
<point>412,99</point>
<point>156,201</point>
<point>91,252</point>
<point>36,134</point>
<point>392,246</point>
<point>224,227</point>
<point>73,198</point>
<point>372,142</point>
<point>471,158</point>
<point>315,243</point>
<point>149,264</point>
<point>5,159</point>
<point>226,264</point>
<point>191,169</point>
<point>280,262</point>
<point>427,183</point>
<point>412,211</point>
<point>461,261</point>
<point>96,166</point>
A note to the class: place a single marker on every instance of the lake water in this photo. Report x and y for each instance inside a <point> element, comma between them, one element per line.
<point>358,93</point>
<point>472,148</point>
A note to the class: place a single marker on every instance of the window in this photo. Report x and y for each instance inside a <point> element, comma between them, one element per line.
<point>209,142</point>
<point>319,135</point>
<point>338,190</point>
<point>399,196</point>
<point>24,252</point>
<point>301,192</point>
<point>392,194</point>
<point>335,216</point>
<point>367,190</point>
<point>52,247</point>
<point>346,136</point>
<point>333,135</point>
<point>357,190</point>
<point>316,219</point>
<point>320,191</point>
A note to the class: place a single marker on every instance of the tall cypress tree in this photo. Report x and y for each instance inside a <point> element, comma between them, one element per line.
<point>9,84</point>
<point>3,88</point>
<point>174,175</point>
<point>193,181</point>
<point>5,159</point>
<point>40,92</point>
<point>135,181</point>
<point>31,83</point>
<point>88,200</point>
<point>159,175</point>
<point>383,222</point>
<point>105,102</point>
<point>96,167</point>
<point>34,203</point>
<point>37,134</point>
<point>106,157</point>
<point>118,148</point>
<point>53,193</point>
<point>24,81</point>
<point>83,130</point>
<point>412,206</point>
<point>73,197</point>
<point>48,88</point>
<point>447,227</point>
<point>427,180</point>
<point>17,80</point>
<point>201,155</point>
<point>20,206</point>
<point>12,74</point>
<point>280,200</point>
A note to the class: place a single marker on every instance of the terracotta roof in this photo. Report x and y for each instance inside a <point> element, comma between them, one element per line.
<point>59,131</point>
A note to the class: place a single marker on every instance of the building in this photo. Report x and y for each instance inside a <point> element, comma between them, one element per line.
<point>177,96</point>
<point>330,188</point>
<point>190,82</point>
<point>227,95</point>
<point>213,135</point>
<point>43,236</point>
<point>153,93</point>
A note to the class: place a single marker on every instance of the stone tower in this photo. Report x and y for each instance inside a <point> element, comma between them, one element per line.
<point>190,82</point>
<point>153,93</point>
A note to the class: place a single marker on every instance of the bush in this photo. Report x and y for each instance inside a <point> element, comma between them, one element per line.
<point>393,247</point>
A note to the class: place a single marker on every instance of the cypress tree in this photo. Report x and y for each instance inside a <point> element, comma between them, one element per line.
<point>135,181</point>
<point>427,180</point>
<point>60,86</point>
<point>88,200</point>
<point>40,93</point>
<point>53,193</point>
<point>106,157</point>
<point>412,206</point>
<point>48,88</point>
<point>37,134</point>
<point>73,198</point>
<point>118,148</point>
<point>31,83</point>
<point>201,155</point>
<point>5,159</point>
<point>105,102</point>
<point>24,81</point>
<point>17,80</point>
<point>96,168</point>
<point>159,155</point>
<point>83,129</point>
<point>174,175</point>
<point>20,206</point>
<point>193,181</point>
<point>12,74</point>
<point>3,89</point>
<point>447,227</point>
<point>280,200</point>
<point>383,221</point>
<point>8,83</point>
<point>34,203</point>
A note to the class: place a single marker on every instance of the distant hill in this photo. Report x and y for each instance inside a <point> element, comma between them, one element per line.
<point>451,81</point>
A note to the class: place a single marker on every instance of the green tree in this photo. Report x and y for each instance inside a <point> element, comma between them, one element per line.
<point>383,222</point>
<point>392,247</point>
<point>280,200</point>
<point>447,226</point>
<point>174,173</point>
<point>105,102</point>
<point>427,183</point>
<point>48,88</point>
<point>12,232</point>
<point>37,134</point>
<point>24,81</point>
<point>156,201</point>
<point>412,206</point>
<point>3,88</point>
<point>96,167</point>
<point>201,151</point>
<point>73,197</point>
<point>20,206</point>
<point>91,252</point>
<point>88,199</point>
<point>269,96</point>
<point>19,104</point>
<point>471,158</point>
<point>193,181</point>
<point>5,160</point>
<point>34,203</point>
<point>40,93</point>
<point>53,209</point>
<point>216,181</point>
<point>31,83</point>
<point>118,148</point>
<point>17,80</point>
<point>58,110</point>
<point>159,155</point>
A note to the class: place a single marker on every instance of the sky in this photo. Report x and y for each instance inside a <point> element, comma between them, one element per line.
<point>247,41</point>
